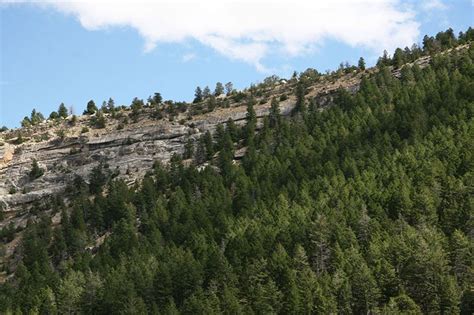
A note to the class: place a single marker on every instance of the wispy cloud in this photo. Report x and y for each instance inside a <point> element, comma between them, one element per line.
<point>188,57</point>
<point>433,5</point>
<point>251,30</point>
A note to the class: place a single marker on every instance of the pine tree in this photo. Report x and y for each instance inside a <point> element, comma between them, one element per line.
<point>70,291</point>
<point>198,95</point>
<point>274,115</point>
<point>97,179</point>
<point>300,106</point>
<point>232,129</point>
<point>188,149</point>
<point>208,144</point>
<point>219,89</point>
<point>35,117</point>
<point>111,105</point>
<point>226,155</point>
<point>251,116</point>
<point>91,108</point>
<point>361,64</point>
<point>398,58</point>
<point>229,87</point>
<point>36,171</point>
<point>62,111</point>
<point>157,98</point>
<point>206,92</point>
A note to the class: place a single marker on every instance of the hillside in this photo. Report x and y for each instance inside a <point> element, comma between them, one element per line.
<point>346,192</point>
<point>65,149</point>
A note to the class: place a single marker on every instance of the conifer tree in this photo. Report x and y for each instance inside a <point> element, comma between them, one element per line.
<point>91,108</point>
<point>36,171</point>
<point>300,106</point>
<point>274,115</point>
<point>62,111</point>
<point>361,64</point>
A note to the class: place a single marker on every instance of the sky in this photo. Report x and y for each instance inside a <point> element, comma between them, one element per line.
<point>72,52</point>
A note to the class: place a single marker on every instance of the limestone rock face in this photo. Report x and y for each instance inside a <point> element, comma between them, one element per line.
<point>132,150</point>
<point>6,154</point>
<point>73,147</point>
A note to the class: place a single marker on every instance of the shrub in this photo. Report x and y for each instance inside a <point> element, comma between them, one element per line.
<point>54,115</point>
<point>99,120</point>
<point>238,96</point>
<point>61,133</point>
<point>19,139</point>
<point>74,120</point>
<point>36,171</point>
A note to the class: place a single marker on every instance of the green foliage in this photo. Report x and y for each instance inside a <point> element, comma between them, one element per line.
<point>219,89</point>
<point>188,149</point>
<point>365,207</point>
<point>198,97</point>
<point>361,64</point>
<point>99,120</point>
<point>251,117</point>
<point>34,119</point>
<point>229,88</point>
<point>157,99</point>
<point>111,106</point>
<point>54,115</point>
<point>70,291</point>
<point>62,111</point>
<point>211,103</point>
<point>238,96</point>
<point>97,179</point>
<point>61,133</point>
<point>7,233</point>
<point>274,115</point>
<point>300,106</point>
<point>91,108</point>
<point>206,92</point>
<point>136,106</point>
<point>35,171</point>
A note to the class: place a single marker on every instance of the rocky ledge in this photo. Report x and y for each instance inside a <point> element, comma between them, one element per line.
<point>70,147</point>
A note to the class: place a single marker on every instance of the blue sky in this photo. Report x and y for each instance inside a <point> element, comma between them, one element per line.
<point>71,53</point>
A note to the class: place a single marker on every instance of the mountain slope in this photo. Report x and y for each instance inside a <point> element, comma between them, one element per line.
<point>359,202</point>
<point>65,149</point>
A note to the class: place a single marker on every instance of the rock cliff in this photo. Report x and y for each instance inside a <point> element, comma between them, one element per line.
<point>72,146</point>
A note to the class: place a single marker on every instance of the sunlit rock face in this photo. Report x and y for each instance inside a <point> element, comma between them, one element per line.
<point>65,149</point>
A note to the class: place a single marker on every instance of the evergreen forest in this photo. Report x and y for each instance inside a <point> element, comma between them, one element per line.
<point>361,207</point>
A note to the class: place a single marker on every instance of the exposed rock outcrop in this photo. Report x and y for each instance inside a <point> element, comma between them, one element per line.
<point>68,148</point>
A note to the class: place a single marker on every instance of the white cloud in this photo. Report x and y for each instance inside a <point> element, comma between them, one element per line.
<point>251,30</point>
<point>188,57</point>
<point>433,5</point>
